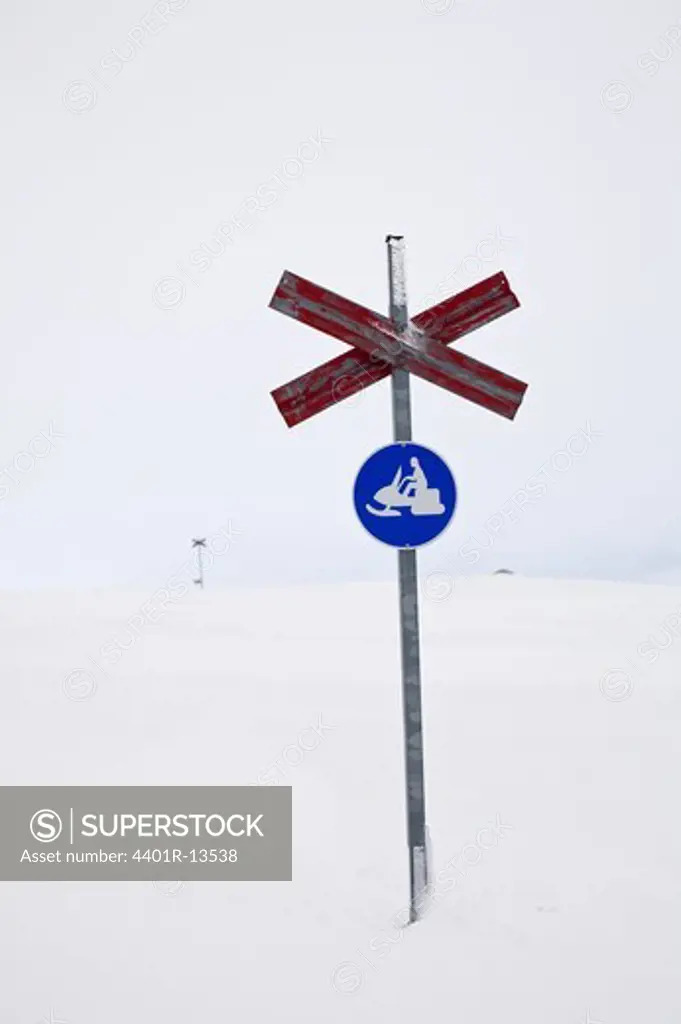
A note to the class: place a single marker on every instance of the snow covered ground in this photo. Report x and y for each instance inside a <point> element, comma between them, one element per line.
<point>553,760</point>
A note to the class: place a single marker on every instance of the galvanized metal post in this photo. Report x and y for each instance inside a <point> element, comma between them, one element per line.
<point>199,544</point>
<point>409,612</point>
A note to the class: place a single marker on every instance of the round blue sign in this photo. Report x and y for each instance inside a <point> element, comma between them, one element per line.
<point>405,495</point>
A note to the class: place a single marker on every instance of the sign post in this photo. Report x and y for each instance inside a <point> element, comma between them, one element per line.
<point>199,543</point>
<point>415,507</point>
<point>409,609</point>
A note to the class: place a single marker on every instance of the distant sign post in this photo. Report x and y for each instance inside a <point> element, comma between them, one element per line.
<point>199,543</point>
<point>404,505</point>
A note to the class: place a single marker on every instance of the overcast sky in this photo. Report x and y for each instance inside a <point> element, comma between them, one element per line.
<point>523,137</point>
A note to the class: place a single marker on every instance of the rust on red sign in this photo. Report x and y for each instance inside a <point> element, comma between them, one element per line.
<point>378,346</point>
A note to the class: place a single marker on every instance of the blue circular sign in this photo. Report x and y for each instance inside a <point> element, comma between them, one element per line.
<point>405,495</point>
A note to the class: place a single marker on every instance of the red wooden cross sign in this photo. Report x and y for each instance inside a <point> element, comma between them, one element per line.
<point>380,346</point>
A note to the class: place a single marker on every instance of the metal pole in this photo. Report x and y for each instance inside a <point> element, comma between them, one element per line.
<point>199,544</point>
<point>409,610</point>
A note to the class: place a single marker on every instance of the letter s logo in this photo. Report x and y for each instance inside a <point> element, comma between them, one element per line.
<point>46,826</point>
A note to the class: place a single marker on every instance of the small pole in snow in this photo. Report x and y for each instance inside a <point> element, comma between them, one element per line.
<point>199,543</point>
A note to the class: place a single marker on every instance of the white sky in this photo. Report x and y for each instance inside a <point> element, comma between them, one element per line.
<point>445,128</point>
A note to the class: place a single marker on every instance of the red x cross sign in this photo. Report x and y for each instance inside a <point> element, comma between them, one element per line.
<point>379,346</point>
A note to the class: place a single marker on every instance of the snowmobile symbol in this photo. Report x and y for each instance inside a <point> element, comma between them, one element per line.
<point>404,495</point>
<point>410,492</point>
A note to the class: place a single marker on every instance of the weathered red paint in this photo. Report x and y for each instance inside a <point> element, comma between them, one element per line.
<point>378,346</point>
<point>476,306</point>
<point>345,375</point>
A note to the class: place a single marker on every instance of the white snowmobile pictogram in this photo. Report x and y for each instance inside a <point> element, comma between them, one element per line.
<point>408,492</point>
